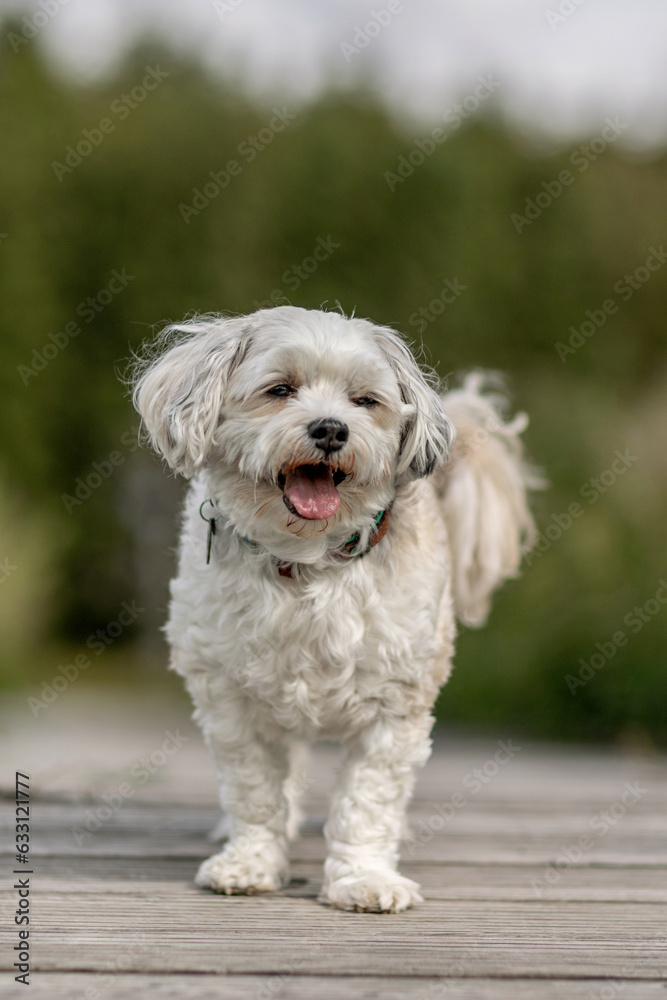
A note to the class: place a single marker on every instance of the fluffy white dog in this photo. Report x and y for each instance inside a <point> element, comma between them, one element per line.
<point>341,513</point>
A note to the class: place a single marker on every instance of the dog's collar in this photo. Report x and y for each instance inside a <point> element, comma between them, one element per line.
<point>349,550</point>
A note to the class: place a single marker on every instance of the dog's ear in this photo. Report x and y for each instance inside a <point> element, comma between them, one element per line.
<point>428,433</point>
<point>180,392</point>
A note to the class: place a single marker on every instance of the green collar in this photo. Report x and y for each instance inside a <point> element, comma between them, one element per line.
<point>347,551</point>
<point>353,540</point>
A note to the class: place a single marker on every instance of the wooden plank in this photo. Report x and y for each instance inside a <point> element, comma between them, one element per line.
<point>504,908</point>
<point>470,818</point>
<point>547,781</point>
<point>473,817</point>
<point>272,935</point>
<point>454,850</point>
<point>638,837</point>
<point>88,741</point>
<point>173,876</point>
<point>113,985</point>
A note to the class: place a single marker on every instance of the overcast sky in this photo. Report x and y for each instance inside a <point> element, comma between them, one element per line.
<point>560,67</point>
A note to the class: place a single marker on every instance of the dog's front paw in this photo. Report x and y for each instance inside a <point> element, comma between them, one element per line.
<point>378,890</point>
<point>242,870</point>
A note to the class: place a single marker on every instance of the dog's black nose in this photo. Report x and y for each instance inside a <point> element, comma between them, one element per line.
<point>328,434</point>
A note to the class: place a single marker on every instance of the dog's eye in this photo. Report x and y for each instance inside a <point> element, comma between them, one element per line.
<point>365,401</point>
<point>281,390</point>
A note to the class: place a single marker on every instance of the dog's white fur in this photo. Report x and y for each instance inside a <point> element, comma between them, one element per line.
<point>352,648</point>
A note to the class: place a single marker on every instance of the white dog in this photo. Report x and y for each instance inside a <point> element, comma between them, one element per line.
<point>332,531</point>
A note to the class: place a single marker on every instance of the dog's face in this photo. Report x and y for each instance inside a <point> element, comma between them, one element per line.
<point>304,420</point>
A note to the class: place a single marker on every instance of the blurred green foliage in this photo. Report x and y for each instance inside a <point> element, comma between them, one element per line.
<point>63,233</point>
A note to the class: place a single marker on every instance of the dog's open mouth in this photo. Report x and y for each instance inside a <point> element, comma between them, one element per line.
<point>310,491</point>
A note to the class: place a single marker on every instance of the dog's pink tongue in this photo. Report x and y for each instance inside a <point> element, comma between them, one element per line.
<point>311,492</point>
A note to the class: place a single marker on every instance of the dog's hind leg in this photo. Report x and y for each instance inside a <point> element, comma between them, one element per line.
<point>222,830</point>
<point>295,785</point>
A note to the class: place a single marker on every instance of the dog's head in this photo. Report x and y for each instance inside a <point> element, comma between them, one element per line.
<point>303,420</point>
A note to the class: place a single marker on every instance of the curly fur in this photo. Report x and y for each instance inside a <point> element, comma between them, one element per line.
<point>355,648</point>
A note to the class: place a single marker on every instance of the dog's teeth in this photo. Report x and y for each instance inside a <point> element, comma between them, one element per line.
<point>353,638</point>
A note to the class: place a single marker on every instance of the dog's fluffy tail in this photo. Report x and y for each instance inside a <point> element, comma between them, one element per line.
<point>484,492</point>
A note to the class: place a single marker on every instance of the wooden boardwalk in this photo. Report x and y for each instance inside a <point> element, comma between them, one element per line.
<point>543,873</point>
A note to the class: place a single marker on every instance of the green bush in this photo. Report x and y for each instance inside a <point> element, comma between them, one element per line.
<point>94,254</point>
